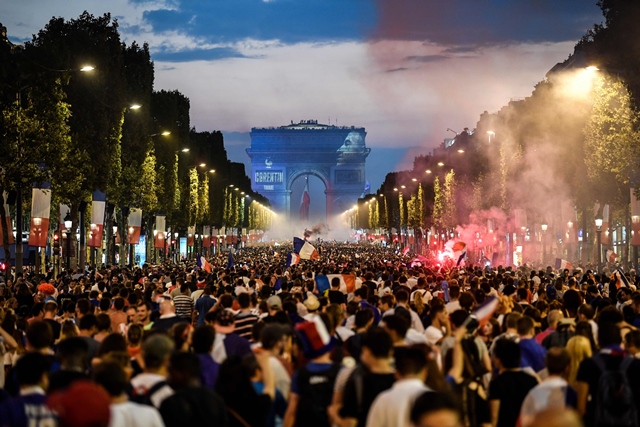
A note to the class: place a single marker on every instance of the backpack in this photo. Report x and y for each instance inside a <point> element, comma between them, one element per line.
<point>316,393</point>
<point>614,402</point>
<point>471,391</point>
<point>145,398</point>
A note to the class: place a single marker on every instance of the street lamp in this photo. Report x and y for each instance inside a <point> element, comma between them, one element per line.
<point>114,228</point>
<point>87,68</point>
<point>544,227</point>
<point>135,106</point>
<point>68,222</point>
<point>491,134</point>
<point>599,244</point>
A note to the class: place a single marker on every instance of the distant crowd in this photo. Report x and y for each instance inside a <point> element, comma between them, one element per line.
<point>253,342</point>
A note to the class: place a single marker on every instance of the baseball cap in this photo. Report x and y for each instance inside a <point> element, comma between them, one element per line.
<point>274,301</point>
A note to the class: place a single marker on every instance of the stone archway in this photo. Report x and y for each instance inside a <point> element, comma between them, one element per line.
<point>336,155</point>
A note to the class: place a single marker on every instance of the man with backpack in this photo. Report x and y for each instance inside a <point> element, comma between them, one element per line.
<point>151,387</point>
<point>612,379</point>
<point>368,379</point>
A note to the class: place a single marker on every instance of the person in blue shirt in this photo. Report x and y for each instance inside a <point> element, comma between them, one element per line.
<point>29,409</point>
<point>533,355</point>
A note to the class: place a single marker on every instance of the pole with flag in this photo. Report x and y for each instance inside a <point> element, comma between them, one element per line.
<point>305,202</point>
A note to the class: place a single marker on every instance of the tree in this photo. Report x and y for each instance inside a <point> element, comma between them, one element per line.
<point>438,203</point>
<point>450,215</point>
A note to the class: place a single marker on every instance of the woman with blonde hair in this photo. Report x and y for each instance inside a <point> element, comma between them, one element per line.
<point>418,303</point>
<point>579,348</point>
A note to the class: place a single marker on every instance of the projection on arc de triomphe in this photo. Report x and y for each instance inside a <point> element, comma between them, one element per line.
<point>334,154</point>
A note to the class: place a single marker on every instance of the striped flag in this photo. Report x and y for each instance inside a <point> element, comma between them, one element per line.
<point>292,259</point>
<point>203,264</point>
<point>561,264</point>
<point>459,251</point>
<point>40,208</point>
<point>305,249</point>
<point>611,256</point>
<point>97,219</point>
<point>485,311</point>
<point>159,232</point>
<point>8,223</point>
<point>135,223</point>
<point>621,280</point>
<point>347,282</point>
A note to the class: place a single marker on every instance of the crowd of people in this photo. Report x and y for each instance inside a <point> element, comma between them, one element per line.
<point>254,342</point>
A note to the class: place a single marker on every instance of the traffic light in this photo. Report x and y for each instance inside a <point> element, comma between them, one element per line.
<point>56,245</point>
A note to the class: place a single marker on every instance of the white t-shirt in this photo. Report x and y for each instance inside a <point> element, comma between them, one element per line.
<point>391,408</point>
<point>280,376</point>
<point>145,381</point>
<point>452,306</point>
<point>131,414</point>
<point>549,394</point>
<point>433,335</point>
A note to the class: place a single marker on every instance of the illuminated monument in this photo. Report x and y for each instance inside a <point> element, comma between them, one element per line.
<point>334,154</point>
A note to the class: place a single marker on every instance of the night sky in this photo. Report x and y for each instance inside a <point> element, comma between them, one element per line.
<point>406,70</point>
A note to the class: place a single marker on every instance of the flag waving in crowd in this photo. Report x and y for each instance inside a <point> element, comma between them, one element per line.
<point>305,249</point>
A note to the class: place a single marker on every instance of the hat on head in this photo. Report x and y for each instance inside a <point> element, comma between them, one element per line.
<point>315,338</point>
<point>274,301</point>
<point>82,404</point>
<point>312,303</point>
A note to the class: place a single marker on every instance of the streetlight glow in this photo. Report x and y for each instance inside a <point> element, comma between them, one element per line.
<point>592,68</point>
<point>440,164</point>
<point>212,171</point>
<point>165,133</point>
<point>202,165</point>
<point>427,171</point>
<point>135,106</point>
<point>185,150</point>
<point>87,68</point>
<point>461,151</point>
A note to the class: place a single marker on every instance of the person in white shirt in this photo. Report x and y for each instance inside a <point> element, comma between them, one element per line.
<point>124,413</point>
<point>454,294</point>
<point>554,392</point>
<point>156,351</point>
<point>391,408</point>
<point>439,327</point>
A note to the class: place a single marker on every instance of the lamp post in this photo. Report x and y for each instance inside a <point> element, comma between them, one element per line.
<point>67,229</point>
<point>114,228</point>
<point>176,247</point>
<point>544,227</point>
<point>598,244</point>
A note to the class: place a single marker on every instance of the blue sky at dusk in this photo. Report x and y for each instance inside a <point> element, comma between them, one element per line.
<point>406,70</point>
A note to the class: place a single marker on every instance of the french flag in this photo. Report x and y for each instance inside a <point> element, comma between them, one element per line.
<point>203,264</point>
<point>485,311</point>
<point>561,264</point>
<point>40,208</point>
<point>347,282</point>
<point>97,219</point>
<point>611,256</point>
<point>305,249</point>
<point>314,334</point>
<point>135,224</point>
<point>621,279</point>
<point>460,251</point>
<point>292,259</point>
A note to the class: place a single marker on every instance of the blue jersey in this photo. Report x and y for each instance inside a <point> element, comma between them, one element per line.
<point>27,411</point>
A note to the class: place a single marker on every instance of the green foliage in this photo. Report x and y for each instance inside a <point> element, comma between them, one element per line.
<point>203,200</point>
<point>403,216</point>
<point>450,213</point>
<point>193,196</point>
<point>612,140</point>
<point>438,204</point>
